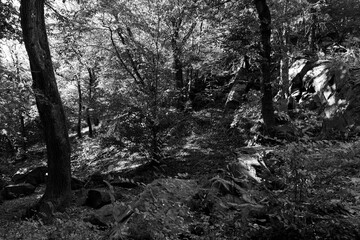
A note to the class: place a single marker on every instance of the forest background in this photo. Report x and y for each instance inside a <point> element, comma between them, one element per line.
<point>141,80</point>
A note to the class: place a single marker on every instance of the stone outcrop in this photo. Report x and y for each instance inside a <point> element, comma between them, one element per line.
<point>331,87</point>
<point>98,198</point>
<point>35,176</point>
<point>17,190</point>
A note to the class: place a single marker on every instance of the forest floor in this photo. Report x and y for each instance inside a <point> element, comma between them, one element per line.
<point>320,198</point>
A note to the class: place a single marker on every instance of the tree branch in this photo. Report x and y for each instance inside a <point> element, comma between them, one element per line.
<point>131,59</point>
<point>120,58</point>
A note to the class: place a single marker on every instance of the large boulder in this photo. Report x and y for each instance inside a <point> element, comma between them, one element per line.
<point>17,190</point>
<point>235,96</point>
<point>332,87</point>
<point>97,198</point>
<point>35,176</point>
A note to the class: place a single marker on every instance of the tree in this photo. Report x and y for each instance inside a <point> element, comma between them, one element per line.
<point>267,108</point>
<point>58,187</point>
<point>180,17</point>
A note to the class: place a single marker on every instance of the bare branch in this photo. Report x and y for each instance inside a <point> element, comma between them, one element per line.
<point>120,58</point>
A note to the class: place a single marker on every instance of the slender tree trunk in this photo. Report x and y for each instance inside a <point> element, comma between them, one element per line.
<point>78,127</point>
<point>92,79</point>
<point>58,186</point>
<point>312,33</point>
<point>267,108</point>
<point>19,95</point>
<point>284,62</point>
<point>88,121</point>
<point>23,132</point>
<point>177,63</point>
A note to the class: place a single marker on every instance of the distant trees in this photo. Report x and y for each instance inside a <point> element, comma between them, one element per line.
<point>15,93</point>
<point>58,187</point>
<point>117,56</point>
<point>8,20</point>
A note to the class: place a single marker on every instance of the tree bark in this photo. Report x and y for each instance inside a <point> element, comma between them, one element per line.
<point>267,108</point>
<point>92,79</point>
<point>312,33</point>
<point>23,132</point>
<point>177,63</point>
<point>284,62</point>
<point>78,127</point>
<point>58,185</point>
<point>19,95</point>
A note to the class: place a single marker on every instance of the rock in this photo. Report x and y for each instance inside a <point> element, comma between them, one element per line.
<point>105,216</point>
<point>332,87</point>
<point>76,183</point>
<point>17,190</point>
<point>34,176</point>
<point>97,198</point>
<point>235,96</point>
<point>124,183</point>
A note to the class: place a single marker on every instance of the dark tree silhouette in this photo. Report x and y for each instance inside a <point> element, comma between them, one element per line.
<point>58,187</point>
<point>267,109</point>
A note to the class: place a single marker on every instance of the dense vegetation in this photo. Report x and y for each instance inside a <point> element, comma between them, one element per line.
<point>179,119</point>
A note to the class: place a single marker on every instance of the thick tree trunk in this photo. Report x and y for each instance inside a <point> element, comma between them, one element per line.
<point>267,108</point>
<point>58,188</point>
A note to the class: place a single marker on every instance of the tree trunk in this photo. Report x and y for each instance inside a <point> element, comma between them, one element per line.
<point>177,64</point>
<point>19,95</point>
<point>23,132</point>
<point>92,79</point>
<point>89,123</point>
<point>267,108</point>
<point>312,33</point>
<point>58,186</point>
<point>284,62</point>
<point>78,127</point>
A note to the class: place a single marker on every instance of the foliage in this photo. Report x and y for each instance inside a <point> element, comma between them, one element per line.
<point>17,102</point>
<point>63,227</point>
<point>307,188</point>
<point>301,206</point>
<point>9,27</point>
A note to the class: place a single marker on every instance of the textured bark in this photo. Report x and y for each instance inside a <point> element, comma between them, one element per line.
<point>312,33</point>
<point>78,128</point>
<point>177,63</point>
<point>21,115</point>
<point>23,132</point>
<point>267,108</point>
<point>92,80</point>
<point>284,62</point>
<point>58,186</point>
